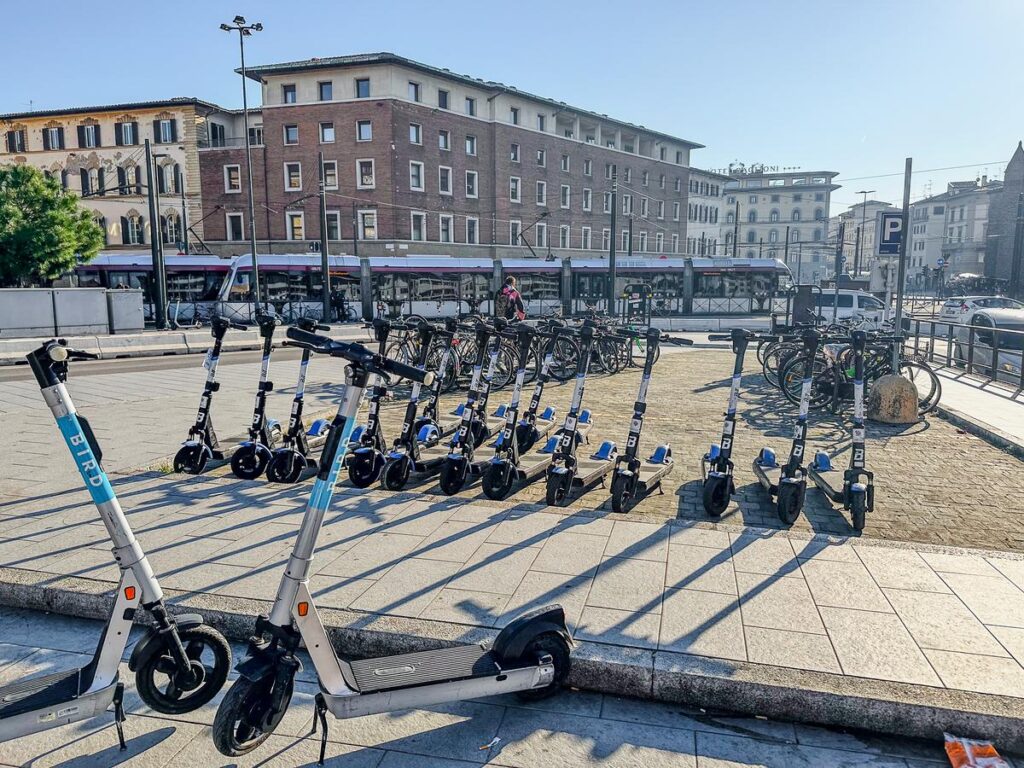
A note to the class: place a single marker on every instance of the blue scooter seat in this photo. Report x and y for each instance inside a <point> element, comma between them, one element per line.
<point>499,412</point>
<point>460,409</point>
<point>357,433</point>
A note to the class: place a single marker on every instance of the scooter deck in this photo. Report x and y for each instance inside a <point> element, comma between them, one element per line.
<point>589,470</point>
<point>821,481</point>
<point>410,669</point>
<point>650,474</point>
<point>40,703</point>
<point>768,477</point>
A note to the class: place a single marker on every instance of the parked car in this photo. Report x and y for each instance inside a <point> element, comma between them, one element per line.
<point>959,309</point>
<point>851,304</point>
<point>993,327</point>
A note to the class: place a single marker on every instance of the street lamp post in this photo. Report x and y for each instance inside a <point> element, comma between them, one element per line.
<point>245,30</point>
<point>863,221</point>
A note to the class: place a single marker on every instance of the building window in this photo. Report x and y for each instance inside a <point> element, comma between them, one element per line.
<point>330,174</point>
<point>729,217</point>
<point>751,236</point>
<point>542,158</point>
<point>218,135</point>
<point>88,136</point>
<point>661,181</point>
<point>417,226</point>
<point>585,239</point>
<point>365,178</point>
<point>291,134</point>
<point>625,240</point>
<point>415,176</point>
<point>819,214</point>
<point>773,236</point>
<point>586,199</point>
<point>752,217</point>
<point>679,157</point>
<point>644,178</point>
<point>256,136</point>
<point>165,131</point>
<point>563,197</point>
<point>588,167</point>
<point>333,225</point>
<point>295,222</point>
<point>444,180</point>
<point>288,95</point>
<point>293,177</point>
<point>471,145</point>
<point>541,238</point>
<point>363,88</point>
<point>628,175</point>
<point>794,236</point>
<point>471,186</point>
<point>627,204</point>
<point>609,170</point>
<point>662,153</point>
<point>514,153</point>
<point>643,242</point>
<point>514,190</point>
<point>127,134</point>
<point>659,242</point>
<point>565,162</point>
<point>542,122</point>
<point>773,216</point>
<point>442,99</point>
<point>798,198</point>
<point>415,133</point>
<point>235,226</point>
<point>607,202</point>
<point>675,243</point>
<point>542,193</point>
<point>472,230</point>
<point>796,214</point>
<point>325,90</point>
<point>446,225</point>
<point>444,140</point>
<point>414,91</point>
<point>364,130</point>
<point>563,237</point>
<point>470,106</point>
<point>232,179</point>
<point>515,229</point>
<point>53,138</point>
<point>132,230</point>
<point>678,184</point>
<point>817,235</point>
<point>661,209</point>
<point>513,115</point>
<point>643,207</point>
<point>367,225</point>
<point>326,133</point>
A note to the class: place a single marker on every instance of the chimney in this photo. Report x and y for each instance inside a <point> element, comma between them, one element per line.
<point>984,181</point>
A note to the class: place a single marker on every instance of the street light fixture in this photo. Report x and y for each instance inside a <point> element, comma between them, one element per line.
<point>245,30</point>
<point>863,230</point>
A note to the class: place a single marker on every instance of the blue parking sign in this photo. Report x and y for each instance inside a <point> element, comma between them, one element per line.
<point>889,232</point>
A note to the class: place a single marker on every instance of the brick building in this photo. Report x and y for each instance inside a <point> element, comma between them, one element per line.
<point>423,160</point>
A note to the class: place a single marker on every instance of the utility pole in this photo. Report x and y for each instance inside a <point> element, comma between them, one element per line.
<point>355,231</point>
<point>159,308</point>
<point>799,261</point>
<point>901,276</point>
<point>760,247</point>
<point>736,228</point>
<point>245,30</point>
<point>856,249</point>
<point>1017,263</point>
<point>629,242</point>
<point>611,244</point>
<point>840,242</point>
<point>184,219</point>
<point>785,249</point>
<point>325,266</point>
<point>863,222</point>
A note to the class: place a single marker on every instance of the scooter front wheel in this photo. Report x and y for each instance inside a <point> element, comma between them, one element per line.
<point>498,480</point>
<point>716,494</point>
<point>557,489</point>
<point>365,468</point>
<point>168,689</point>
<point>248,462</point>
<point>622,494</point>
<point>789,502</point>
<point>191,459</point>
<point>396,473</point>
<point>242,721</point>
<point>453,476</point>
<point>858,509</point>
<point>286,467</point>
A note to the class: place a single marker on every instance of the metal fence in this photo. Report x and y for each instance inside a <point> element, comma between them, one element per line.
<point>990,353</point>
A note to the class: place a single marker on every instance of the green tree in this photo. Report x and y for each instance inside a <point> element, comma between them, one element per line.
<point>43,230</point>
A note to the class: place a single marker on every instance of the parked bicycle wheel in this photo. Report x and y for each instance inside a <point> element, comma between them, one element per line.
<point>776,359</point>
<point>564,357</point>
<point>823,383</point>
<point>929,387</point>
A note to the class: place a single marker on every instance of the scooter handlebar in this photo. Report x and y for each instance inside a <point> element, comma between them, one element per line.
<point>677,341</point>
<point>238,326</point>
<point>358,354</point>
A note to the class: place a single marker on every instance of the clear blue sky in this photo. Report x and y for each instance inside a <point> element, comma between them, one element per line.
<point>850,86</point>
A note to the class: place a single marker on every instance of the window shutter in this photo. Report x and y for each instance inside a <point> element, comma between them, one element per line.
<point>156,131</point>
<point>163,229</point>
<point>174,131</point>
<point>46,138</point>
<point>124,230</point>
<point>177,179</point>
<point>96,133</point>
<point>84,174</point>
<point>138,180</point>
<point>60,139</point>
<point>142,230</point>
<point>161,180</point>
<point>118,138</point>
<point>135,133</point>
<point>64,179</point>
<point>10,141</point>
<point>122,181</point>
<point>81,137</point>
<point>102,183</point>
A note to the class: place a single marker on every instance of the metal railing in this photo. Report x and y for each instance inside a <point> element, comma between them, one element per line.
<point>994,354</point>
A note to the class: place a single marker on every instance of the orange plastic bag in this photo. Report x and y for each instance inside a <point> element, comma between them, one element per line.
<point>972,753</point>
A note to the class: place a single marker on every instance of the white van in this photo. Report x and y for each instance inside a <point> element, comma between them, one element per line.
<point>851,304</point>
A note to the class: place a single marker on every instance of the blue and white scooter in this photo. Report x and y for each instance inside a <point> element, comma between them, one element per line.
<point>251,458</point>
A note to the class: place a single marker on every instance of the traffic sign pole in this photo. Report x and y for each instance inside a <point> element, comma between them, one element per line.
<point>901,276</point>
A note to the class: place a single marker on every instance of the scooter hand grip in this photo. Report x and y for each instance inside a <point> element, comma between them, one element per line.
<point>323,327</point>
<point>719,337</point>
<point>410,372</point>
<point>678,342</point>
<point>238,326</point>
<point>306,337</point>
<point>81,354</point>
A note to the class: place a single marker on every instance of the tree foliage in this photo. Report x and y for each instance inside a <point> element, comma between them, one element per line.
<point>44,232</point>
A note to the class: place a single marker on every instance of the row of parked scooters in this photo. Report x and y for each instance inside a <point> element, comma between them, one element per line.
<point>508,448</point>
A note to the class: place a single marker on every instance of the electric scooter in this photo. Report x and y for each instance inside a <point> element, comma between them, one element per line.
<point>565,467</point>
<point>473,429</point>
<point>787,485</point>
<point>430,418</point>
<point>250,459</point>
<point>202,444</point>
<point>633,479</point>
<point>291,459</point>
<point>179,663</point>
<point>533,426</point>
<point>716,465</point>
<point>857,492</point>
<point>366,454</point>
<point>499,472</point>
<point>531,655</point>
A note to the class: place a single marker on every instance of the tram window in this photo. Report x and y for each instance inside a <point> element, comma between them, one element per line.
<point>89,278</point>
<point>279,286</point>
<point>185,286</point>
<point>431,287</point>
<point>590,286</point>
<point>734,285</point>
<point>240,287</point>
<point>211,288</point>
<point>539,286</point>
<point>392,288</point>
<point>474,286</point>
<point>131,280</point>
<point>347,283</point>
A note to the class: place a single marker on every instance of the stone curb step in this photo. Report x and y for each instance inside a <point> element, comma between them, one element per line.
<point>778,693</point>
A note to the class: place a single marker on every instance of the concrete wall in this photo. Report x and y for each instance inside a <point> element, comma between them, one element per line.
<point>34,312</point>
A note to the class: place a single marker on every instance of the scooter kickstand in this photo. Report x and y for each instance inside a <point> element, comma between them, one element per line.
<point>321,715</point>
<point>119,716</point>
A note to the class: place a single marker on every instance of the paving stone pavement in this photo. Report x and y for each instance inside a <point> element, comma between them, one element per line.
<point>573,728</point>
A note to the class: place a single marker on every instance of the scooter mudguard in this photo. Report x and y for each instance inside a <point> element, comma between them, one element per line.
<point>318,428</point>
<point>273,424</point>
<point>766,459</point>
<point>859,488</point>
<point>822,463</point>
<point>198,444</point>
<point>257,666</point>
<point>427,433</point>
<point>151,643</point>
<point>606,451</point>
<point>511,642</point>
<point>459,410</point>
<point>357,433</point>
<point>500,411</point>
<point>550,445</point>
<point>395,455</point>
<point>585,417</point>
<point>662,455</point>
<point>549,413</point>
<point>713,453</point>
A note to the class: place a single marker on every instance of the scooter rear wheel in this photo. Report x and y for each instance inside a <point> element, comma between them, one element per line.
<point>240,724</point>
<point>191,459</point>
<point>453,476</point>
<point>789,503</point>
<point>858,509</point>
<point>498,480</point>
<point>171,691</point>
<point>716,495</point>
<point>286,467</point>
<point>555,645</point>
<point>364,469</point>
<point>248,462</point>
<point>396,473</point>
